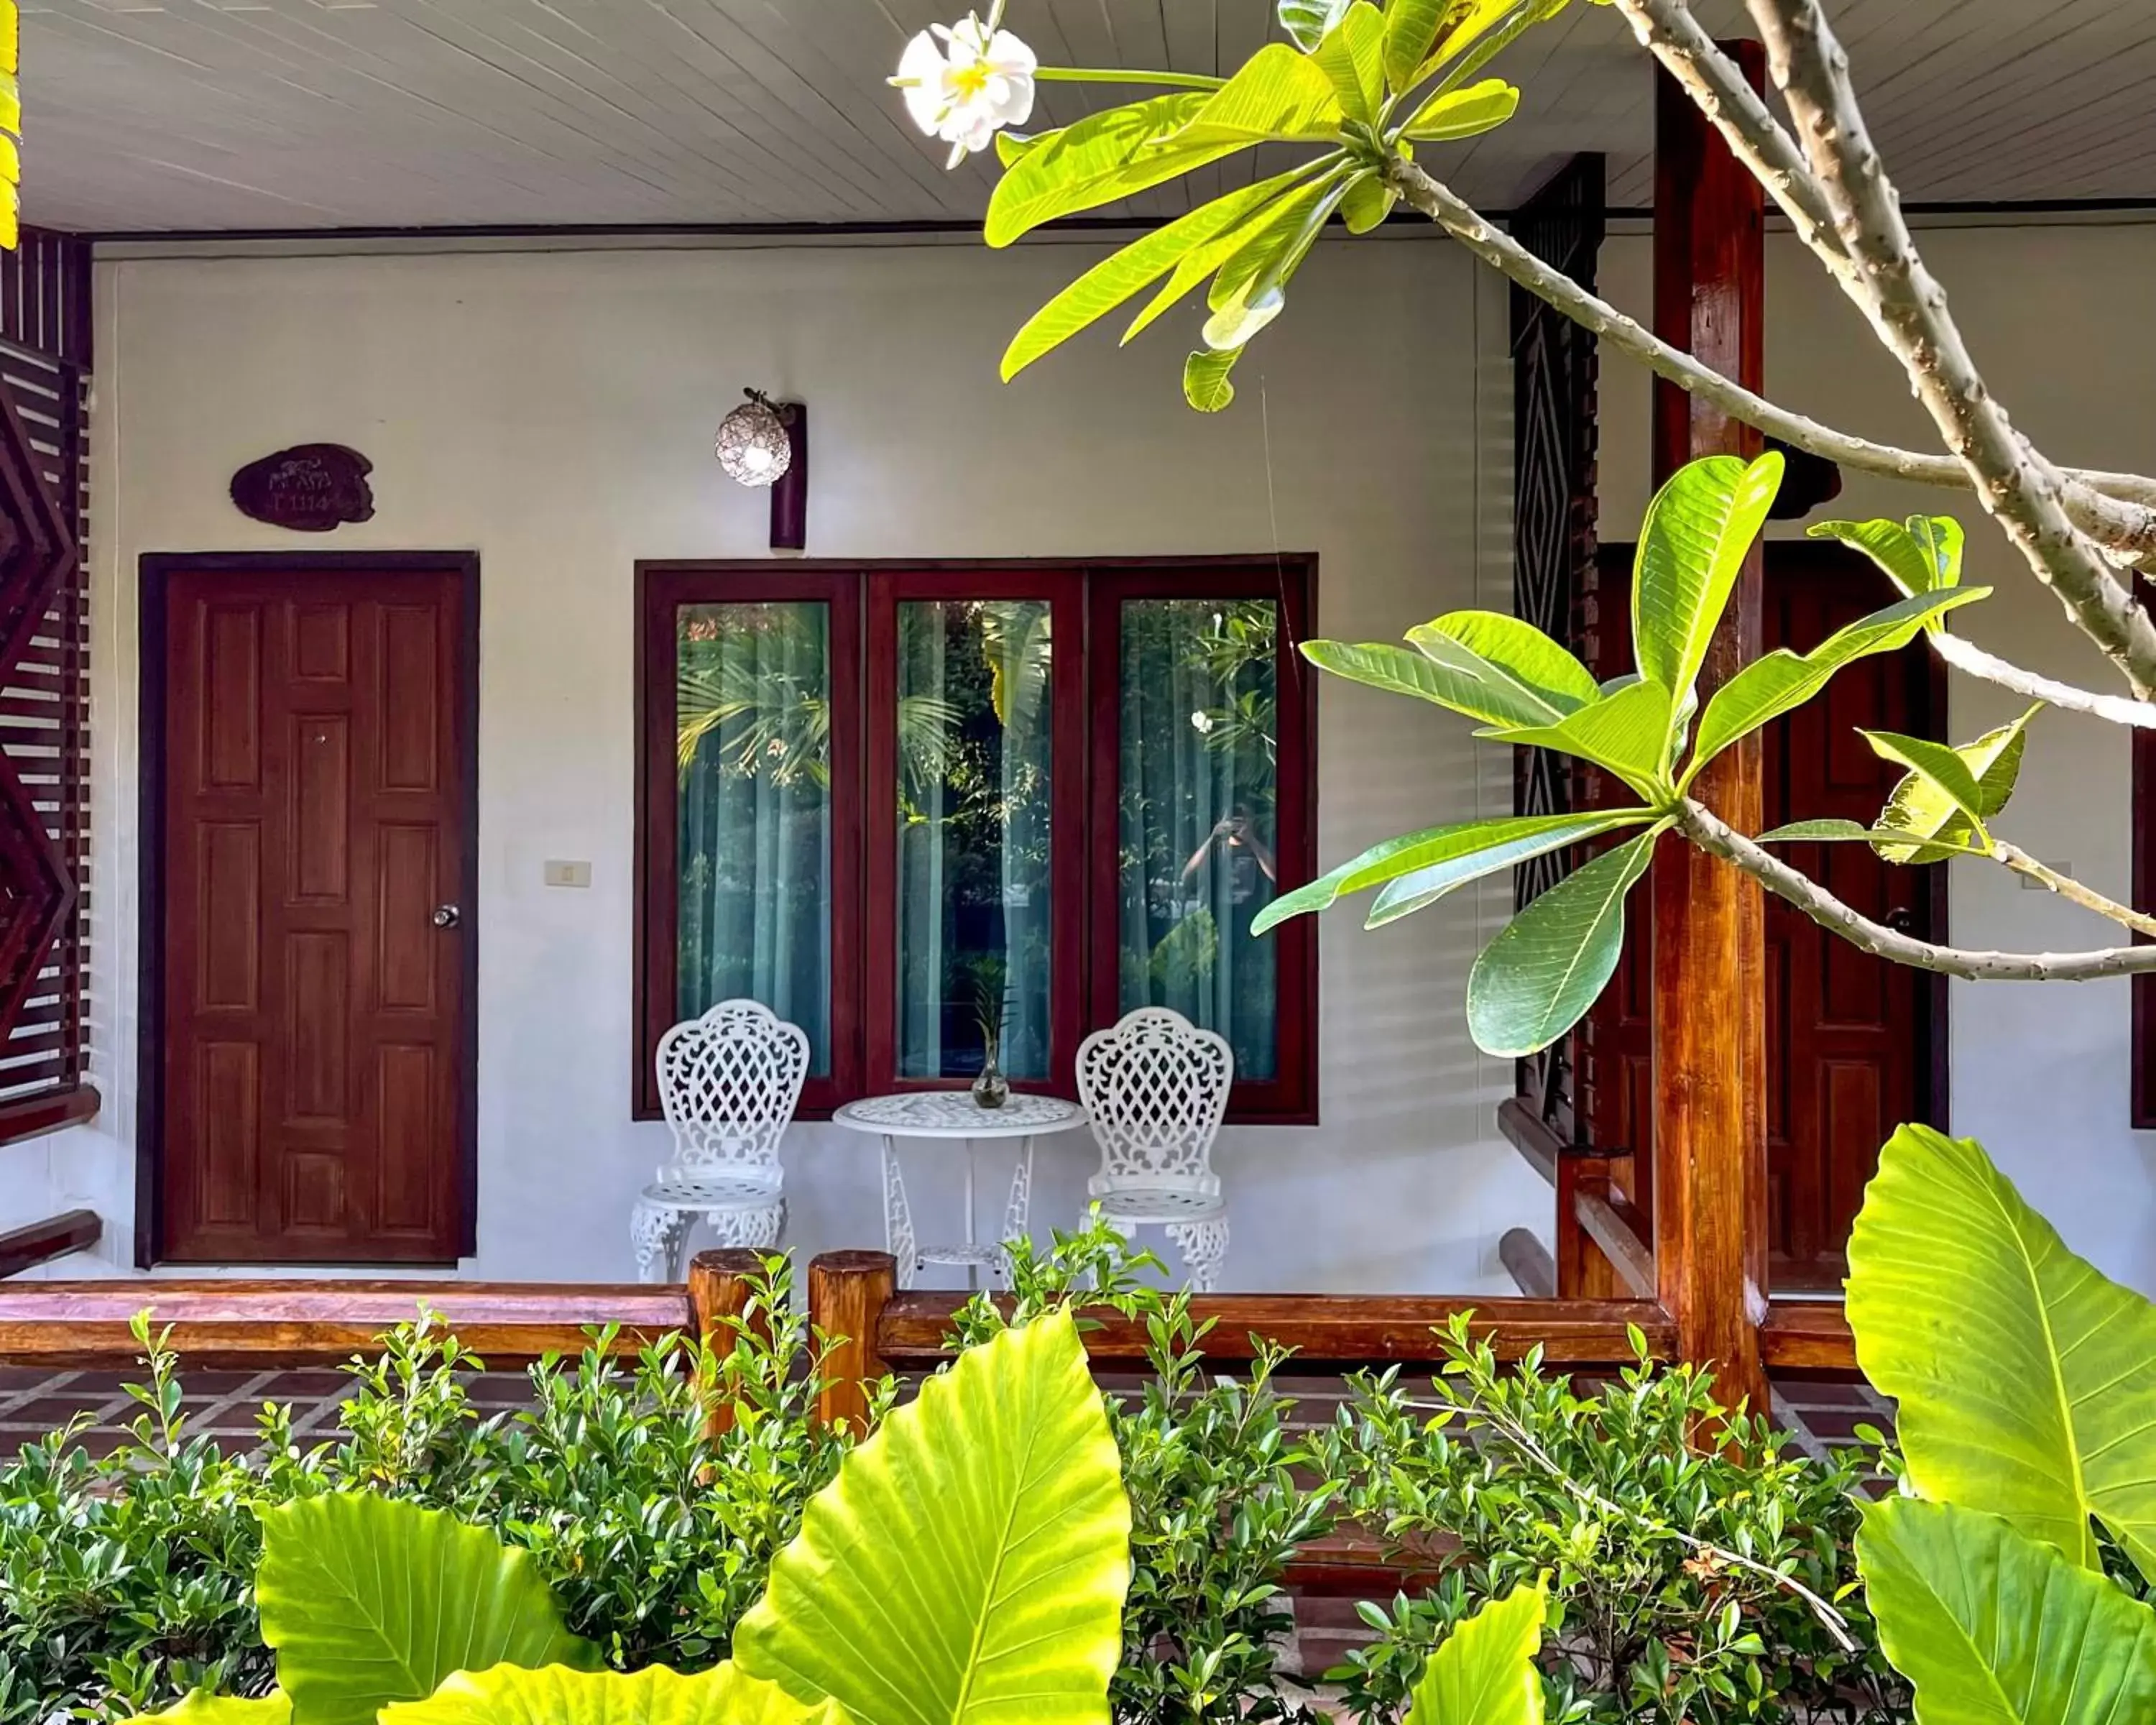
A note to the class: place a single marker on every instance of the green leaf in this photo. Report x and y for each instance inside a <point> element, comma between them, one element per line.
<point>1351,57</point>
<point>1627,732</point>
<point>969,1562</point>
<point>1411,27</point>
<point>1538,977</point>
<point>1483,845</point>
<point>1693,544</point>
<point>1309,22</point>
<point>1434,881</point>
<point>1923,809</point>
<point>1836,832</point>
<point>1368,201</point>
<point>1102,158</point>
<point>1782,681</point>
<point>1993,1628</point>
<point>201,1708</point>
<point>655,1695</point>
<point>1939,765</point>
<point>1277,94</point>
<point>1205,384</point>
<point>367,1601</point>
<point>1484,1672</point>
<point>1921,555</point>
<point>1498,645</point>
<point>1111,281</point>
<point>1464,113</point>
<point>2024,1375</point>
<point>1461,25</point>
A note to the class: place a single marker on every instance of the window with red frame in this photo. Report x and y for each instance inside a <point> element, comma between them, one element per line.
<point>912,808</point>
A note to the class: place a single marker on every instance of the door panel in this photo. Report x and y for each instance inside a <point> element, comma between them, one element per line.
<point>315,815</point>
<point>1848,1035</point>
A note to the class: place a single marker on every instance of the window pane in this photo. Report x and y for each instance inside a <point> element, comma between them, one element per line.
<point>753,730</point>
<point>974,745</point>
<point>1197,812</point>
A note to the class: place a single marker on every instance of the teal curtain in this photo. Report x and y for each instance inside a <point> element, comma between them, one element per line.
<point>1198,828</point>
<point>752,715</point>
<point>973,739</point>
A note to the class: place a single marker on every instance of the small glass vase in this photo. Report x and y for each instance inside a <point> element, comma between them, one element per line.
<point>991,1088</point>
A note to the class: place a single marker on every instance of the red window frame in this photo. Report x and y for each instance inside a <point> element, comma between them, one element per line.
<point>1087,600</point>
<point>2142,1102</point>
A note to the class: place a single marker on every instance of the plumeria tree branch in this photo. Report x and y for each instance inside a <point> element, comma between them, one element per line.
<point>2016,485</point>
<point>1793,886</point>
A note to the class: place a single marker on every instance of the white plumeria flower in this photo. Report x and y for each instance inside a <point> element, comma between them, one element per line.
<point>965,82</point>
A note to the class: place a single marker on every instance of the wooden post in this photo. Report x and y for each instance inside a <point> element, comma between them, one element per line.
<point>719,1284</point>
<point>1708,920</point>
<point>846,1295</point>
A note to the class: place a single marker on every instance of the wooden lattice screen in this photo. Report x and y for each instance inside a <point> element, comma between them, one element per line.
<point>1553,453</point>
<point>44,688</point>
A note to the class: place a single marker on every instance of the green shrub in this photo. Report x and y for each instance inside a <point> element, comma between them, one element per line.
<point>1676,1569</point>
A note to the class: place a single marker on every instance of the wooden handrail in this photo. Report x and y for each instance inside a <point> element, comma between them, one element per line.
<point>1527,1133</point>
<point>1528,1260</point>
<point>1613,1225</point>
<point>1808,1335</point>
<point>264,1323</point>
<point>37,1243</point>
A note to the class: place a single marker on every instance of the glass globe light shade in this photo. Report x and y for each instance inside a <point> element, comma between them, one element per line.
<point>754,445</point>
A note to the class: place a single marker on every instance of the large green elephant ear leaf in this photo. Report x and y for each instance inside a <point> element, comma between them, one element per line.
<point>201,1708</point>
<point>368,1601</point>
<point>509,1695</point>
<point>969,1561</point>
<point>2026,1379</point>
<point>1484,1672</point>
<point>1993,1628</point>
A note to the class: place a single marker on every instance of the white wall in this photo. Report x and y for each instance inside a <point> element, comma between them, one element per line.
<point>2057,318</point>
<point>554,412</point>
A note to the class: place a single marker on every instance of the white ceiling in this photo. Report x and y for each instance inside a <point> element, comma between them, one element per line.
<point>164,115</point>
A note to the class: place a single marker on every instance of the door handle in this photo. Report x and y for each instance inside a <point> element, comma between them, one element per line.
<point>1902,921</point>
<point>448,915</point>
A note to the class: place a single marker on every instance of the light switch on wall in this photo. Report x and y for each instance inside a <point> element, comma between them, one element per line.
<point>569,874</point>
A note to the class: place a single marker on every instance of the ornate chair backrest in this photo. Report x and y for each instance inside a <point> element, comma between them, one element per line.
<point>729,1082</point>
<point>1155,1087</point>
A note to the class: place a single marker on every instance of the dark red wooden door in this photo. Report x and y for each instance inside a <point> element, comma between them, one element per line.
<point>315,842</point>
<point>1848,1035</point>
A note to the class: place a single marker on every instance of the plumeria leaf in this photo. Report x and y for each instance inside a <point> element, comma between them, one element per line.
<point>655,1695</point>
<point>1535,980</point>
<point>1411,27</point>
<point>1782,681</point>
<point>1352,55</point>
<point>1445,671</point>
<point>1102,158</point>
<point>1205,382</point>
<point>1693,544</point>
<point>1504,645</point>
<point>1277,94</point>
<point>1473,32</point>
<point>1368,201</point>
<point>1940,765</point>
<point>1484,1672</point>
<point>1464,113</point>
<point>1424,887</point>
<point>1920,555</point>
<point>1491,844</point>
<point>2020,1371</point>
<point>1281,218</point>
<point>1842,832</point>
<point>1993,1628</point>
<point>1934,821</point>
<point>1309,22</point>
<point>1626,732</point>
<point>1109,283</point>
<point>1010,145</point>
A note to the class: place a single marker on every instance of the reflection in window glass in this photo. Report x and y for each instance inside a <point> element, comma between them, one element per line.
<point>753,737</point>
<point>973,744</point>
<point>1197,827</point>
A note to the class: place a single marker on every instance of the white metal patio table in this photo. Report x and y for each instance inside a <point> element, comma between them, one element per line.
<point>952,1116</point>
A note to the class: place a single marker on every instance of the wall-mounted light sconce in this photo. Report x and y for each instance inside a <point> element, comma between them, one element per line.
<point>764,442</point>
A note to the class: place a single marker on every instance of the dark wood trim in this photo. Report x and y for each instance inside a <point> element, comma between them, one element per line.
<point>1808,1335</point>
<point>1085,590</point>
<point>661,588</point>
<point>1610,1220</point>
<point>32,1117</point>
<point>155,572</point>
<point>2142,1036</point>
<point>1063,590</point>
<point>1290,1097</point>
<point>25,1247</point>
<point>1528,1262</point>
<point>1327,1331</point>
<point>259,1323</point>
<point>1529,1133</point>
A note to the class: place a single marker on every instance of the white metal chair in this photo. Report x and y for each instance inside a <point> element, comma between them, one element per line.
<point>1155,1087</point>
<point>729,1082</point>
